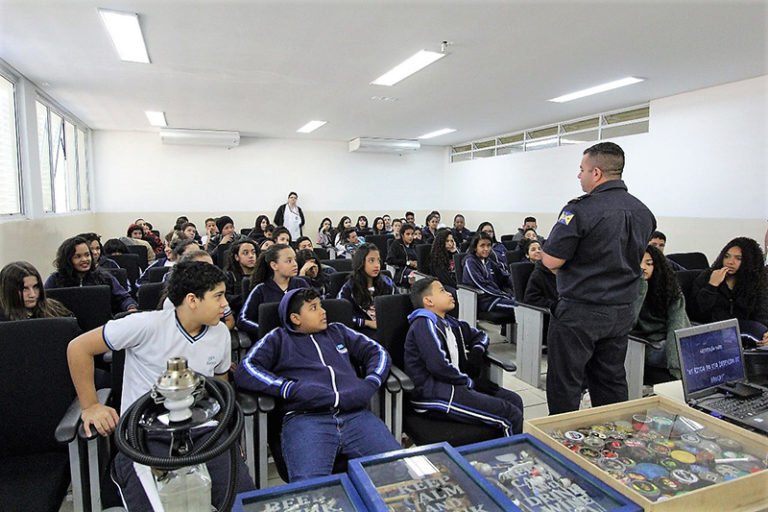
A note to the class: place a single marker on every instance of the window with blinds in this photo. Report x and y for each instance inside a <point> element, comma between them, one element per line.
<point>10,189</point>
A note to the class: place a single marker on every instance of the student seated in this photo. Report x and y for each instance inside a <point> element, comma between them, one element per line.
<point>304,242</point>
<point>430,228</point>
<point>338,233</point>
<point>259,230</point>
<point>240,263</point>
<point>74,267</point>
<point>310,270</point>
<point>181,248</point>
<point>178,248</point>
<point>210,231</point>
<point>443,357</point>
<point>227,234</point>
<point>402,255</point>
<point>531,249</point>
<point>100,260</point>
<point>149,339</point>
<point>362,227</point>
<point>528,223</point>
<point>483,272</point>
<point>659,241</point>
<point>325,234</point>
<point>135,236</point>
<point>274,275</point>
<point>281,235</point>
<point>459,230</point>
<point>735,287</point>
<point>541,289</point>
<point>351,243</point>
<point>22,295</point>
<point>441,264</point>
<point>310,365</point>
<point>364,284</point>
<point>499,253</point>
<point>379,228</point>
<point>397,224</point>
<point>661,311</point>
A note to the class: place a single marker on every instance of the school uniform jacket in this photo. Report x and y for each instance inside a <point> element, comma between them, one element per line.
<point>398,256</point>
<point>426,357</point>
<point>268,291</point>
<point>486,275</point>
<point>359,316</point>
<point>314,372</point>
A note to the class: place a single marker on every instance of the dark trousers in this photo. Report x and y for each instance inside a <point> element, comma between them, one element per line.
<point>587,345</point>
<point>500,408</point>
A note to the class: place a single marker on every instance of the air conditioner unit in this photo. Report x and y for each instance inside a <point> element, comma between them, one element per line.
<point>380,145</point>
<point>199,137</point>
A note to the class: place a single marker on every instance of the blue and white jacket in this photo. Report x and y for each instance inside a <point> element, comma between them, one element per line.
<point>359,316</point>
<point>314,372</point>
<point>486,275</point>
<point>268,291</point>
<point>426,357</point>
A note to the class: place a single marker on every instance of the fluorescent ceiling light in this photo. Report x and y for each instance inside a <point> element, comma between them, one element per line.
<point>409,66</point>
<point>597,89</point>
<point>436,133</point>
<point>124,29</point>
<point>311,126</point>
<point>156,118</point>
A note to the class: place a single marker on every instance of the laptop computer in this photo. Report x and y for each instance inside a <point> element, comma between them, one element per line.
<point>714,379</point>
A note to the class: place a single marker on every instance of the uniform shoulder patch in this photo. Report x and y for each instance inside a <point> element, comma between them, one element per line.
<point>565,217</point>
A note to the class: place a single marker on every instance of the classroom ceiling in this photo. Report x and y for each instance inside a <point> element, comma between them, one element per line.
<point>265,68</point>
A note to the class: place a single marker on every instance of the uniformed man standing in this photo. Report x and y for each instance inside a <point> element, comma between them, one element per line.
<point>595,249</point>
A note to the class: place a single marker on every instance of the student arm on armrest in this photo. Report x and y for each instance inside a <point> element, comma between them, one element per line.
<point>80,353</point>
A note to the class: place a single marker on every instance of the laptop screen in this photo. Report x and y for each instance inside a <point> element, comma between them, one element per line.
<point>710,355</point>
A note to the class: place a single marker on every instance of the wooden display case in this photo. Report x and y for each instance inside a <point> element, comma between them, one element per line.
<point>663,455</point>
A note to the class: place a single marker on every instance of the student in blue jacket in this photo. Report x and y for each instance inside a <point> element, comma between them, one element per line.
<point>274,275</point>
<point>310,365</point>
<point>444,357</point>
<point>364,284</point>
<point>499,250</point>
<point>482,271</point>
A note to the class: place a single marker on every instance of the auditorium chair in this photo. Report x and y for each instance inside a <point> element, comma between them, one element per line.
<point>91,305</point>
<point>690,260</point>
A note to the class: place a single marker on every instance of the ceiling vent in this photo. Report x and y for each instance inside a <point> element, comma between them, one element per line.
<point>200,137</point>
<point>377,145</point>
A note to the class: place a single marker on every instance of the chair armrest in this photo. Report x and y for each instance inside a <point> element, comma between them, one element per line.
<point>643,341</point>
<point>540,309</point>
<point>469,289</point>
<point>392,384</point>
<point>248,402</point>
<point>406,384</point>
<point>65,432</point>
<point>243,339</point>
<point>107,357</point>
<point>497,360</point>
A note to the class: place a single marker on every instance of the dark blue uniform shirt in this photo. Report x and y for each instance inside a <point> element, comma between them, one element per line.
<point>602,236</point>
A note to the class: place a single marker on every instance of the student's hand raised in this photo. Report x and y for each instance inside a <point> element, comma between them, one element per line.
<point>718,276</point>
<point>225,239</point>
<point>308,265</point>
<point>100,416</point>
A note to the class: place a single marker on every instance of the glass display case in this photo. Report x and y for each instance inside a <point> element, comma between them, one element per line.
<point>331,493</point>
<point>537,479</point>
<point>427,478</point>
<point>663,454</point>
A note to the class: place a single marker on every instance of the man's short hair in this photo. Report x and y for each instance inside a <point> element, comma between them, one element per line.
<point>301,239</point>
<point>193,255</point>
<point>299,298</point>
<point>660,235</point>
<point>179,245</point>
<point>279,231</point>
<point>609,157</point>
<point>195,277</point>
<point>529,219</point>
<point>410,213</point>
<point>419,290</point>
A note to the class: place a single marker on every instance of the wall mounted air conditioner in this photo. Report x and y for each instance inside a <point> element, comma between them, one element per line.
<point>379,145</point>
<point>199,137</point>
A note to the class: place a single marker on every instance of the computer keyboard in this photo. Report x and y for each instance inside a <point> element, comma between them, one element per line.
<point>740,408</point>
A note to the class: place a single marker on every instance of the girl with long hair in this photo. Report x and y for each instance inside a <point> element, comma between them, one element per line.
<point>259,230</point>
<point>239,263</point>
<point>22,295</point>
<point>338,233</point>
<point>661,310</point>
<point>74,267</point>
<point>325,234</point>
<point>429,230</point>
<point>736,286</point>
<point>499,250</point>
<point>365,283</point>
<point>484,272</point>
<point>441,264</point>
<point>275,273</point>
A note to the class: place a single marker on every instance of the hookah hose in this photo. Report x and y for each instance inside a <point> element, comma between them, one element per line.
<point>131,439</point>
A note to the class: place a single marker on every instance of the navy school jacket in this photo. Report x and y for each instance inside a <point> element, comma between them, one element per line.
<point>360,315</point>
<point>426,358</point>
<point>486,275</point>
<point>268,291</point>
<point>314,372</point>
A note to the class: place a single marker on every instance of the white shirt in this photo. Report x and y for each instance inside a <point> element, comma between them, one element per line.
<point>292,221</point>
<point>453,347</point>
<point>152,337</point>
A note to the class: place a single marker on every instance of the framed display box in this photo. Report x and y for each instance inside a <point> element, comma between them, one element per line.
<point>426,478</point>
<point>538,479</point>
<point>663,454</point>
<point>329,493</point>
